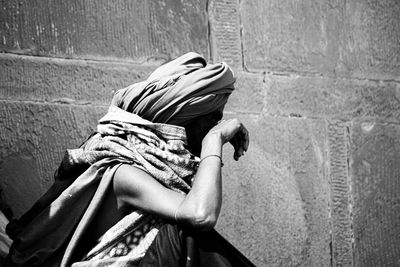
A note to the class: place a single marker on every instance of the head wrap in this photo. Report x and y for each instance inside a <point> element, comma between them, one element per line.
<point>179,91</point>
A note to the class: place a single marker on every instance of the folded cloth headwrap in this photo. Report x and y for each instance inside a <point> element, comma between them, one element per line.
<point>179,91</point>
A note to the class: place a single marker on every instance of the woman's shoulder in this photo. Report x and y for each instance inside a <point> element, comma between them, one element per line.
<point>130,173</point>
<point>130,180</point>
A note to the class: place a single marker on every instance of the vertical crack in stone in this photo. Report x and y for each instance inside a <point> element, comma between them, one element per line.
<point>329,202</point>
<point>350,195</point>
<point>209,35</point>
<point>241,35</point>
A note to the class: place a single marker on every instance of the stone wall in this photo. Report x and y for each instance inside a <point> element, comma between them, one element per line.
<point>318,85</point>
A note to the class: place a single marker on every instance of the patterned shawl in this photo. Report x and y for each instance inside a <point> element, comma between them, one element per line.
<point>54,234</point>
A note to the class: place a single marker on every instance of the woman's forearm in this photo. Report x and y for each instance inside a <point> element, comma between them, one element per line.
<point>202,204</point>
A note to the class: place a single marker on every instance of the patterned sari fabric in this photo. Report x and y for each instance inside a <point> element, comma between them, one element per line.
<point>135,242</point>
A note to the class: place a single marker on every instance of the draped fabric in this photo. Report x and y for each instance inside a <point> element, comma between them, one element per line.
<point>179,246</point>
<point>53,235</point>
<point>137,130</point>
<point>179,91</point>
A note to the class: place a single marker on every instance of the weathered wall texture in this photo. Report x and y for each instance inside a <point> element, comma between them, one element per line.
<point>318,85</point>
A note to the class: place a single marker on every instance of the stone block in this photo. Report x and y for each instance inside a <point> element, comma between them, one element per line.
<point>371,45</point>
<point>334,38</point>
<point>375,169</point>
<point>249,94</point>
<point>276,197</point>
<point>65,81</point>
<point>291,36</point>
<point>124,30</point>
<point>332,98</point>
<point>33,138</point>
<point>225,38</point>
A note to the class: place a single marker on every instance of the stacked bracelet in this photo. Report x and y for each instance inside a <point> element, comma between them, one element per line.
<point>213,155</point>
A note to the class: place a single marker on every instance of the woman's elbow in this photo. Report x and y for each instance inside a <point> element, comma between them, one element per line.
<point>203,221</point>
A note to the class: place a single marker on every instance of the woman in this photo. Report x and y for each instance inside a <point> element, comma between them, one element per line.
<point>136,193</point>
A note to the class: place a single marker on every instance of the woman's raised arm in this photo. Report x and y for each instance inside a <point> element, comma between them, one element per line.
<point>201,206</point>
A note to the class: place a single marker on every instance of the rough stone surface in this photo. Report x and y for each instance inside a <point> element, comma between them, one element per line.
<point>65,81</point>
<point>129,30</point>
<point>332,98</point>
<point>88,82</point>
<point>342,250</point>
<point>249,94</point>
<point>375,170</point>
<point>33,138</point>
<point>371,45</point>
<point>276,197</point>
<point>291,36</point>
<point>346,38</point>
<point>225,39</point>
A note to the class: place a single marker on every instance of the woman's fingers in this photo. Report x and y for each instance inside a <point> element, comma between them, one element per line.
<point>246,139</point>
<point>240,143</point>
<point>234,132</point>
<point>235,143</point>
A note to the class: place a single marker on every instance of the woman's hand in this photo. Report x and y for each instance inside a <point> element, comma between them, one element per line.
<point>232,131</point>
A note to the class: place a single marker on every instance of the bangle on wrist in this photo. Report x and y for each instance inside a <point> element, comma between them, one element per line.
<point>213,155</point>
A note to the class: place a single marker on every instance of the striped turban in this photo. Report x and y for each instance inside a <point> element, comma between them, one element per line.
<point>179,91</point>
